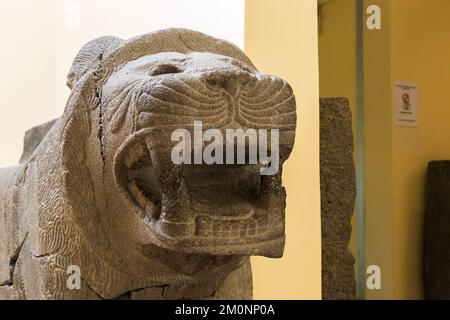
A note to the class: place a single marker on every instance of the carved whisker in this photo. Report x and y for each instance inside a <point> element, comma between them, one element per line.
<point>152,99</point>
<point>264,98</point>
<point>194,92</point>
<point>268,100</point>
<point>151,119</point>
<point>261,88</point>
<point>267,112</point>
<point>214,93</point>
<point>184,97</point>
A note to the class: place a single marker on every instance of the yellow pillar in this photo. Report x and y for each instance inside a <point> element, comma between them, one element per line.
<point>281,38</point>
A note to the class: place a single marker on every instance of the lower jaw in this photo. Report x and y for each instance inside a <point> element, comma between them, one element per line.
<point>268,244</point>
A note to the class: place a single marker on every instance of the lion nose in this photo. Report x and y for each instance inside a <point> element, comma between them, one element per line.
<point>229,81</point>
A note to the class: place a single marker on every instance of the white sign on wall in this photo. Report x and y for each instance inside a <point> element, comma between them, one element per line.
<point>406,104</point>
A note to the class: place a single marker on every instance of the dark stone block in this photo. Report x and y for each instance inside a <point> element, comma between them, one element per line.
<point>338,191</point>
<point>437,231</point>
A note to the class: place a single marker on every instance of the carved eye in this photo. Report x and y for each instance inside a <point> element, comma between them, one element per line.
<point>165,69</point>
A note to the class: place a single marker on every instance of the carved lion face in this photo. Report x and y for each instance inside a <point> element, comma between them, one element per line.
<point>220,209</point>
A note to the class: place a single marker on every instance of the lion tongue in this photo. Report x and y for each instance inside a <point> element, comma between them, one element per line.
<point>219,201</point>
<point>221,190</point>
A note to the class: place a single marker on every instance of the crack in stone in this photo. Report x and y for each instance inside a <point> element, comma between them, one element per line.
<point>82,279</point>
<point>40,256</point>
<point>13,259</point>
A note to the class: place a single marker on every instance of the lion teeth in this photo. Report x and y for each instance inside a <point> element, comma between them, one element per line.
<point>153,210</point>
<point>138,194</point>
<point>271,190</point>
<point>175,204</point>
<point>211,227</point>
<point>262,221</point>
<point>137,155</point>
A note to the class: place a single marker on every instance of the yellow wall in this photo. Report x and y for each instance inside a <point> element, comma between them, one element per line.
<point>379,231</point>
<point>281,38</point>
<point>420,53</point>
<point>413,45</point>
<point>337,58</point>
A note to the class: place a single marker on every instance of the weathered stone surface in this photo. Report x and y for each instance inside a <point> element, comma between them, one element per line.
<point>97,188</point>
<point>33,138</point>
<point>437,232</point>
<point>338,191</point>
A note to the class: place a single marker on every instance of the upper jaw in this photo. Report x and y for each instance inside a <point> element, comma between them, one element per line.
<point>214,209</point>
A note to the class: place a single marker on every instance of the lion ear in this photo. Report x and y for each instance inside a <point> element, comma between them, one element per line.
<point>90,56</point>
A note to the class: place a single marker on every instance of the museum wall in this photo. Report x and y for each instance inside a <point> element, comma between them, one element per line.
<point>82,20</point>
<point>420,53</point>
<point>283,40</point>
<point>411,46</point>
<point>28,32</point>
<point>43,37</point>
<point>337,52</point>
<point>378,124</point>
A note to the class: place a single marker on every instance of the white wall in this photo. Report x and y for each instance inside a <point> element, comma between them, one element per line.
<point>41,38</point>
<point>83,20</point>
<point>27,64</point>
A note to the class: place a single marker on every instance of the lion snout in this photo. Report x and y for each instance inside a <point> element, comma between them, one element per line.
<point>229,81</point>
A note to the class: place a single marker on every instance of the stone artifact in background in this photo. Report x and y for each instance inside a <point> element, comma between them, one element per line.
<point>96,209</point>
<point>437,232</point>
<point>338,191</point>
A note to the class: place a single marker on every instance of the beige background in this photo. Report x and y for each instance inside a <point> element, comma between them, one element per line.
<point>281,38</point>
<point>27,64</point>
<point>41,38</point>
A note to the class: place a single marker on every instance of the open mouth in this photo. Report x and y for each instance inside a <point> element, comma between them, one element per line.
<point>218,209</point>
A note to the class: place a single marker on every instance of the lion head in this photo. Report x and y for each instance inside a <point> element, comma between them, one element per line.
<point>111,197</point>
<point>150,86</point>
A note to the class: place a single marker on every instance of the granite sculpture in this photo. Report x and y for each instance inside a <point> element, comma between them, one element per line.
<point>338,192</point>
<point>97,209</point>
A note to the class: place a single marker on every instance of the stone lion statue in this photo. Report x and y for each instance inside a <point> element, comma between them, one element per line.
<point>96,209</point>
